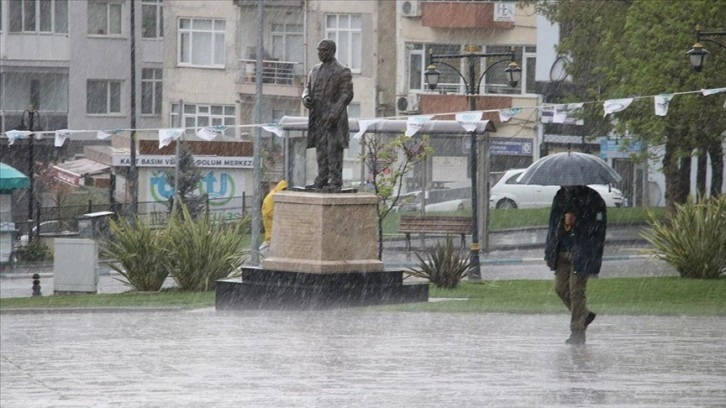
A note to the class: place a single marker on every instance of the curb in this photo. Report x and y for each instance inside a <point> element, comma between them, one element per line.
<point>59,310</point>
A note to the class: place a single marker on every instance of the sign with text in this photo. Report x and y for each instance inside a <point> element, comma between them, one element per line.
<point>200,161</point>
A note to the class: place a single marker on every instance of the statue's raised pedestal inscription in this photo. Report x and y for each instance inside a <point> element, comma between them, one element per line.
<point>323,254</point>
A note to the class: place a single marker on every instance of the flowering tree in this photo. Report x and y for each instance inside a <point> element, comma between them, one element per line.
<point>388,161</point>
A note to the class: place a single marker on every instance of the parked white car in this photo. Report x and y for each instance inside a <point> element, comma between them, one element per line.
<point>507,193</point>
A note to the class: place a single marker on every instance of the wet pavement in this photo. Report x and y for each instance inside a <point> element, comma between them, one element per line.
<point>357,358</point>
<point>364,357</point>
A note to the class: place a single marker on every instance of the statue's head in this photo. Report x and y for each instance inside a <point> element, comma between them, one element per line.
<point>326,50</point>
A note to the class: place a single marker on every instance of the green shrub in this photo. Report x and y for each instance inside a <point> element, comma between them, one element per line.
<point>138,253</point>
<point>35,251</point>
<point>442,265</point>
<point>202,251</point>
<point>693,239</point>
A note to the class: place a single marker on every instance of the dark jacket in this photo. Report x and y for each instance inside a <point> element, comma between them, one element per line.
<point>590,227</point>
<point>330,85</point>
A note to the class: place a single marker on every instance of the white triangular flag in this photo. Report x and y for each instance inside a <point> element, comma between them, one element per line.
<point>102,134</point>
<point>14,135</point>
<point>707,92</point>
<point>363,126</point>
<point>166,136</point>
<point>661,103</point>
<point>415,123</point>
<point>469,120</point>
<point>506,114</point>
<point>61,136</point>
<point>207,134</point>
<point>616,105</point>
<point>273,128</point>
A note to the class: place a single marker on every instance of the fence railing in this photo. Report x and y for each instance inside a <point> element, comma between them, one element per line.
<point>57,219</point>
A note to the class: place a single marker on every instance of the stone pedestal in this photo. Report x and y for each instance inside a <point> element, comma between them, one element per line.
<point>324,233</point>
<point>324,253</point>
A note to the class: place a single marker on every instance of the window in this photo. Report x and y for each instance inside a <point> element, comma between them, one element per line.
<point>201,42</point>
<point>103,97</point>
<point>198,116</point>
<point>38,16</point>
<point>346,31</point>
<point>449,80</point>
<point>494,82</point>
<point>287,42</point>
<point>151,87</point>
<point>104,18</point>
<point>152,19</point>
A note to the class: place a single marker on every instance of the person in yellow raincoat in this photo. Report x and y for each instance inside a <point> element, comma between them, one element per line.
<point>268,205</point>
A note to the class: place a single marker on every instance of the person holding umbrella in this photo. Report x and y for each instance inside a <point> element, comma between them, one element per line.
<point>574,249</point>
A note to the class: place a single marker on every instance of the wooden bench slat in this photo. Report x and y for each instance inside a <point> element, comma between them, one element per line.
<point>409,224</point>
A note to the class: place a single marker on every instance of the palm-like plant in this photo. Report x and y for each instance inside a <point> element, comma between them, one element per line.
<point>137,253</point>
<point>442,265</point>
<point>694,238</point>
<point>202,251</point>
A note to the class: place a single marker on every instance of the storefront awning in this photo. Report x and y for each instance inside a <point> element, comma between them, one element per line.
<point>11,179</point>
<point>72,172</point>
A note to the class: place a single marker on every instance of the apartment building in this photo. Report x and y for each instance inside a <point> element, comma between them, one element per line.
<point>457,27</point>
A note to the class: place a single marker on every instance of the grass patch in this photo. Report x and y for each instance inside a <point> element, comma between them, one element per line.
<point>670,296</point>
<point>667,296</point>
<point>531,217</point>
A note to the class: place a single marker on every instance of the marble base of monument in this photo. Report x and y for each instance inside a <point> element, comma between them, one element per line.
<point>268,289</point>
<point>323,253</point>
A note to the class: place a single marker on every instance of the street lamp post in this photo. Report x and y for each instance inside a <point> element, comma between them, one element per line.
<point>473,55</point>
<point>29,116</point>
<point>697,54</point>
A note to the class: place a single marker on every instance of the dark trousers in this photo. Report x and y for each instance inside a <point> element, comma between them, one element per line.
<point>571,287</point>
<point>329,152</point>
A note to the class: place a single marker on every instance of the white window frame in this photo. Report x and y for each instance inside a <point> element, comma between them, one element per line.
<point>157,6</point>
<point>155,82</point>
<point>348,38</point>
<point>109,83</point>
<point>185,38</point>
<point>422,51</point>
<point>285,36</point>
<point>57,16</point>
<point>108,5</point>
<point>202,115</point>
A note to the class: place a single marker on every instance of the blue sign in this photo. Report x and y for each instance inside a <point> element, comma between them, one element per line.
<point>510,147</point>
<point>618,148</point>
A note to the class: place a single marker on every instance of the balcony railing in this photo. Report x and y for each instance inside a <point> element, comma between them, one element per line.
<point>273,72</point>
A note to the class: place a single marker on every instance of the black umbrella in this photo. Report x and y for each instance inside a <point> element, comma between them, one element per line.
<point>569,169</point>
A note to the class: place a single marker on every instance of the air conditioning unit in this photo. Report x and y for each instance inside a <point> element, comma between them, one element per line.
<point>407,104</point>
<point>410,8</point>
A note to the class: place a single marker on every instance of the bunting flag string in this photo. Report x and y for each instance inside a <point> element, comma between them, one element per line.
<point>661,103</point>
<point>415,123</point>
<point>363,126</point>
<point>210,133</point>
<point>14,135</point>
<point>273,128</point>
<point>61,136</point>
<point>559,113</point>
<point>469,120</point>
<point>166,136</point>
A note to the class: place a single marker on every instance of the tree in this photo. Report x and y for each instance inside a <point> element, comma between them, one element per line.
<point>637,48</point>
<point>189,178</point>
<point>388,161</point>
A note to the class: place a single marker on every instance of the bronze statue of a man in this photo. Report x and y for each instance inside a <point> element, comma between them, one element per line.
<point>328,92</point>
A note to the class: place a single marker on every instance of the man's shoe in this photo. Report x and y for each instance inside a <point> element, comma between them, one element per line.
<point>576,338</point>
<point>590,317</point>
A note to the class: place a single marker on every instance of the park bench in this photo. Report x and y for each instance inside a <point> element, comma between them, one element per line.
<point>417,224</point>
